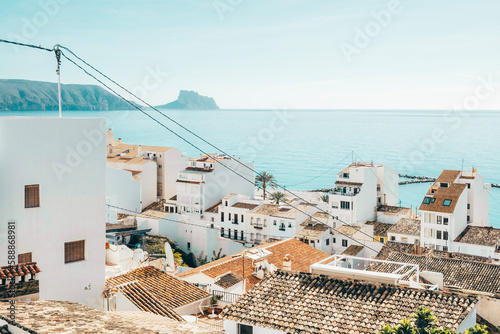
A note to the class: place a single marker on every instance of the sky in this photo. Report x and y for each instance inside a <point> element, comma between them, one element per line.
<point>269,54</point>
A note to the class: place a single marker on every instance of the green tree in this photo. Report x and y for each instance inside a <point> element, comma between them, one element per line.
<point>277,197</point>
<point>263,180</point>
<point>424,323</point>
<point>325,198</point>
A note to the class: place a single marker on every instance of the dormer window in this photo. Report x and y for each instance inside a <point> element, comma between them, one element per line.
<point>447,202</point>
<point>427,200</point>
<point>433,200</point>
<point>443,185</point>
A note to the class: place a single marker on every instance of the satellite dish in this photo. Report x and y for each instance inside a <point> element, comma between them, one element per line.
<point>169,256</point>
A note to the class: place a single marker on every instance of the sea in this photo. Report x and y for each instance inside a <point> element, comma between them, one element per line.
<point>305,149</point>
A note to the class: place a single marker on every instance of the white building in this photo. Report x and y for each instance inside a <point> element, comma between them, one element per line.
<point>233,216</point>
<point>455,200</point>
<point>207,179</point>
<point>406,230</point>
<point>479,241</point>
<point>360,189</point>
<point>168,162</point>
<point>52,185</point>
<point>317,232</point>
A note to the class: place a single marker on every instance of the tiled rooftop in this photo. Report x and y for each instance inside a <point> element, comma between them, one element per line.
<point>448,176</point>
<point>392,209</point>
<point>380,229</point>
<point>301,254</point>
<point>49,317</point>
<point>352,250</point>
<point>279,211</point>
<point>22,269</point>
<point>306,303</point>
<point>346,230</point>
<point>242,205</point>
<point>478,235</point>
<point>470,275</point>
<point>348,183</point>
<point>452,193</point>
<point>228,280</point>
<point>214,208</point>
<point>406,226</point>
<point>314,230</point>
<point>171,291</point>
<point>147,302</point>
<point>154,214</point>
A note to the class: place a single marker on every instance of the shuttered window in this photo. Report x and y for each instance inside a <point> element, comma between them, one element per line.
<point>74,251</point>
<point>24,258</point>
<point>32,196</point>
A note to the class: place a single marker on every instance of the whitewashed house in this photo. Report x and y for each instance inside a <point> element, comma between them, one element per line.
<point>317,232</point>
<point>360,189</point>
<point>56,200</point>
<point>479,241</point>
<point>233,216</point>
<point>456,200</point>
<point>168,162</point>
<point>406,230</point>
<point>207,179</point>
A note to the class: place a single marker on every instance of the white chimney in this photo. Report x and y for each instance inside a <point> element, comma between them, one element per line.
<point>287,262</point>
<point>140,150</point>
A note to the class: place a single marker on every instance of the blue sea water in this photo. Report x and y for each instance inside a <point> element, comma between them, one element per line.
<point>305,149</point>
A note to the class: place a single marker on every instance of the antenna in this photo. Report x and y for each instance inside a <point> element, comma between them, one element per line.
<point>462,164</point>
<point>58,71</point>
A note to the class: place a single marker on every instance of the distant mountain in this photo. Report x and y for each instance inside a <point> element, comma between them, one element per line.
<point>38,95</point>
<point>189,99</point>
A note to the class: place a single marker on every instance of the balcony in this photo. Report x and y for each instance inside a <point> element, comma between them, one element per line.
<point>342,193</point>
<point>259,227</point>
<point>282,229</point>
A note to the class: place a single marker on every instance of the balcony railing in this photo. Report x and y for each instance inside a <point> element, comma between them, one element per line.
<point>340,192</point>
<point>226,297</point>
<point>259,227</point>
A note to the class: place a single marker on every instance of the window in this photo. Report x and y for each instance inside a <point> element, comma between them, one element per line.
<point>274,222</point>
<point>382,240</point>
<point>345,175</point>
<point>189,245</point>
<point>468,219</point>
<point>445,248</point>
<point>229,216</point>
<point>159,166</point>
<point>334,240</point>
<point>245,329</point>
<point>235,234</point>
<point>468,206</point>
<point>226,203</point>
<point>242,235</point>
<point>242,218</point>
<point>445,221</point>
<point>74,251</point>
<point>222,231</point>
<point>439,219</point>
<point>438,234</point>
<point>445,235</point>
<point>282,226</point>
<point>404,239</point>
<point>222,216</point>
<point>447,202</point>
<point>393,238</point>
<point>327,241</point>
<point>433,200</point>
<point>24,258</point>
<point>229,233</point>
<point>468,185</point>
<point>290,225</point>
<point>32,196</point>
<point>345,205</point>
<point>443,185</point>
<point>344,243</point>
<point>427,200</point>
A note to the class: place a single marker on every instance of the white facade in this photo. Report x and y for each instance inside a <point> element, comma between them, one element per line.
<point>457,199</point>
<point>206,180</point>
<point>122,191</point>
<point>360,189</point>
<point>66,158</point>
<point>233,216</point>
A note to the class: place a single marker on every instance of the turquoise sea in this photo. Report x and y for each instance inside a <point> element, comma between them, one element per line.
<point>305,149</point>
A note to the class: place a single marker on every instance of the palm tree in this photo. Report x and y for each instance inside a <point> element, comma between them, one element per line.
<point>263,180</point>
<point>277,197</point>
<point>325,198</point>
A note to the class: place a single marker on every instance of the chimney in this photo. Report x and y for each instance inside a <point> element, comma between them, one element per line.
<point>140,150</point>
<point>287,262</point>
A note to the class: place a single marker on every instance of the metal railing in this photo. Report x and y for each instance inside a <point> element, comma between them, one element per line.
<point>226,297</point>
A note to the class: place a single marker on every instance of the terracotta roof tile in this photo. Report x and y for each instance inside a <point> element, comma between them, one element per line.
<point>306,303</point>
<point>392,209</point>
<point>242,205</point>
<point>352,250</point>
<point>302,256</point>
<point>452,192</point>
<point>448,176</point>
<point>228,280</point>
<point>406,226</point>
<point>479,235</point>
<point>21,269</point>
<point>380,229</point>
<point>171,291</point>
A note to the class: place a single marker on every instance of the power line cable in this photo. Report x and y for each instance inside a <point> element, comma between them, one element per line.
<point>39,47</point>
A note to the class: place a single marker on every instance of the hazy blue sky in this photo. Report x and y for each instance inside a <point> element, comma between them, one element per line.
<point>268,53</point>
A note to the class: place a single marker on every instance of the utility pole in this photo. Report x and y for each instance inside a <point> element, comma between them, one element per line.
<point>58,71</point>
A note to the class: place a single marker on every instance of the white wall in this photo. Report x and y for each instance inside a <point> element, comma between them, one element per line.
<point>149,184</point>
<point>124,191</point>
<point>67,158</point>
